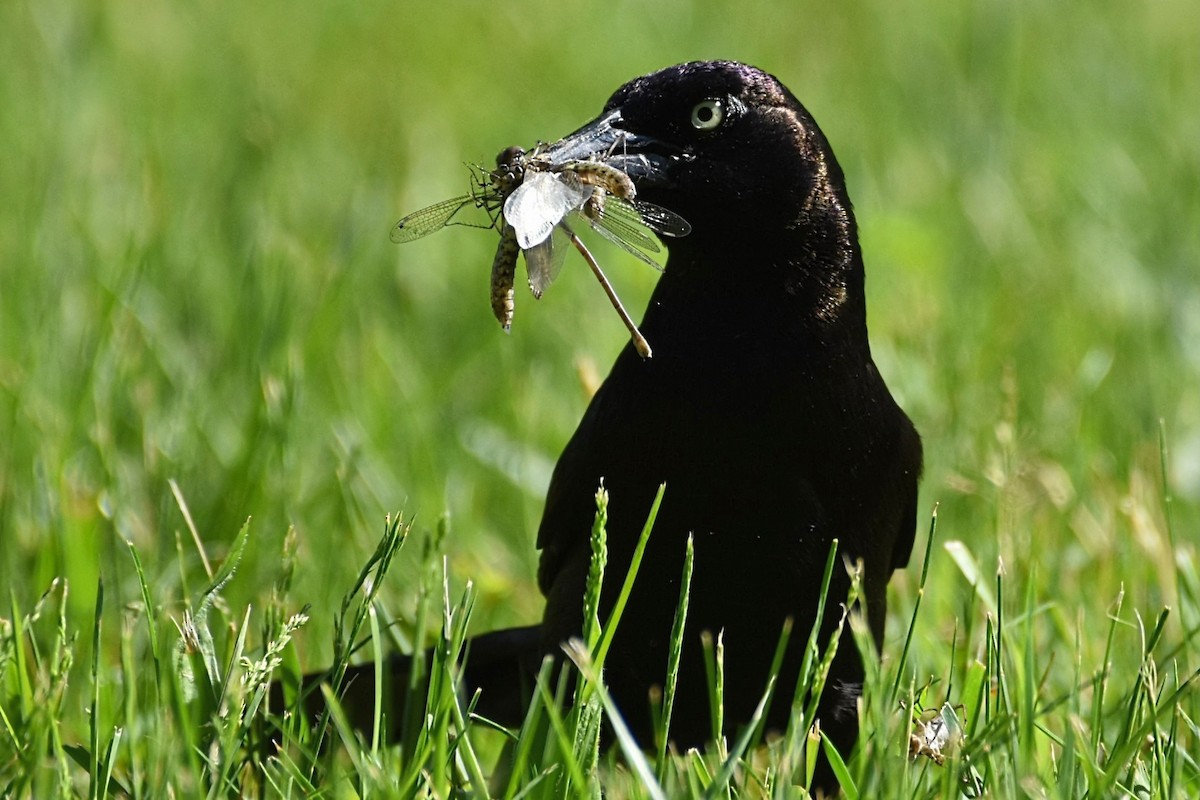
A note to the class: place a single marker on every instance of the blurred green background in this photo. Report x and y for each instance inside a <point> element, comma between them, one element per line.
<point>196,282</point>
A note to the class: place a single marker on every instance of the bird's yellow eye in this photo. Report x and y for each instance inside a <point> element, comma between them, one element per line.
<point>707,115</point>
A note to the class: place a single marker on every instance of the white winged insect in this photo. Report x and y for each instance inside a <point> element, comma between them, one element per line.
<point>538,209</point>
<point>527,199</point>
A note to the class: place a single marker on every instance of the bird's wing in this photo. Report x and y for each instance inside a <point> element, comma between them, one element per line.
<point>910,452</point>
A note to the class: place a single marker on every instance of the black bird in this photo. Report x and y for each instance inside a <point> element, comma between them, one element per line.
<point>761,410</point>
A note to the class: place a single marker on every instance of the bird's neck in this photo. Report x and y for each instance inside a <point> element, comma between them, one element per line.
<point>788,301</point>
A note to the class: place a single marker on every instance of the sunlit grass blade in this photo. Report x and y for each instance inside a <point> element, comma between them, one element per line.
<point>529,730</point>
<point>614,617</point>
<point>838,765</point>
<point>962,557</point>
<point>561,742</point>
<point>902,662</point>
<point>722,780</point>
<point>595,578</point>
<point>714,673</point>
<point>581,657</point>
<point>673,656</point>
<point>785,635</point>
<point>353,616</point>
<point>96,786</point>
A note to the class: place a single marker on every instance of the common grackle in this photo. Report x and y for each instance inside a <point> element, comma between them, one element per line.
<point>761,410</point>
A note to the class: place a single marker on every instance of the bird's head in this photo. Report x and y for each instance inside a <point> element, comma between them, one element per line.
<point>727,147</point>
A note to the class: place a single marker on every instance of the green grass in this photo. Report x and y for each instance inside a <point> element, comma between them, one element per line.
<point>202,322</point>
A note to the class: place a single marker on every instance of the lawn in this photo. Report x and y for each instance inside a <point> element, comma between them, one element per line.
<point>204,329</point>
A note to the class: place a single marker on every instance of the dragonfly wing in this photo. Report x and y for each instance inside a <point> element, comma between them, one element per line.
<point>544,260</point>
<point>621,241</point>
<point>539,204</point>
<point>428,220</point>
<point>662,221</point>
<point>629,225</point>
<point>623,221</point>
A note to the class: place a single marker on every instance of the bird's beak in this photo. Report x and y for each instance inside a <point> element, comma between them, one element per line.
<point>649,162</point>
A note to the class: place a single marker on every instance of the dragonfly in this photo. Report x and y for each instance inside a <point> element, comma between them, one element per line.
<point>537,211</point>
<point>528,199</point>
